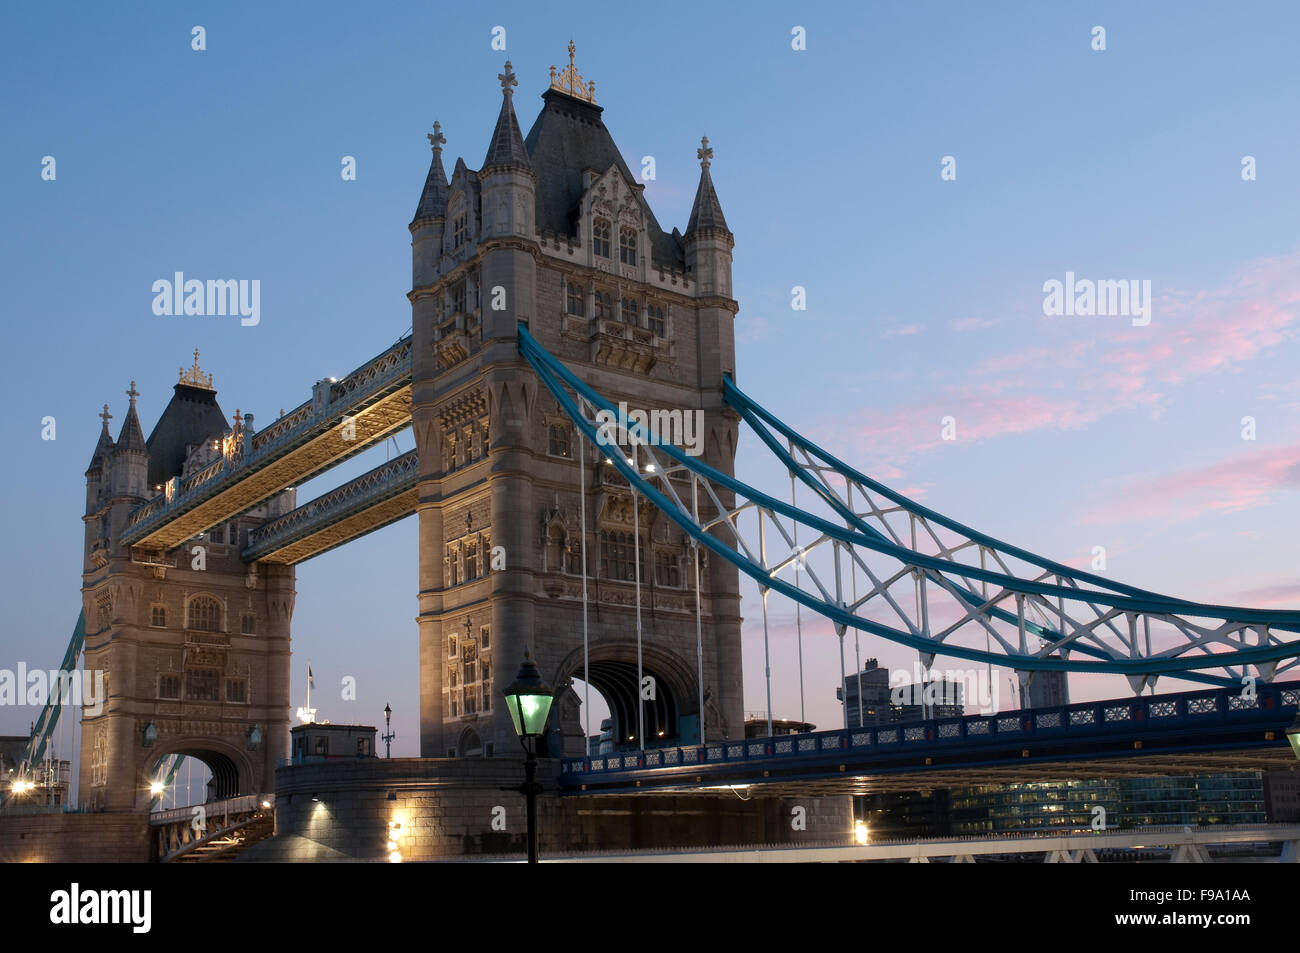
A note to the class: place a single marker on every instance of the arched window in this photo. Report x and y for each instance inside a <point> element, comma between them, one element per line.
<point>204,614</point>
<point>629,311</point>
<point>656,321</point>
<point>576,300</point>
<point>555,549</point>
<point>627,246</point>
<point>248,624</point>
<point>604,304</point>
<point>470,744</point>
<point>471,561</point>
<point>618,556</point>
<point>600,233</point>
<point>558,440</point>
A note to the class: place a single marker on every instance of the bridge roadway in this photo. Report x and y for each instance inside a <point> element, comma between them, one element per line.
<point>1213,731</point>
<point>342,419</point>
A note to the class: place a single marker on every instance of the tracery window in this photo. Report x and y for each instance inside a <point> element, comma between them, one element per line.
<point>576,300</point>
<point>600,233</point>
<point>627,246</point>
<point>656,321</point>
<point>204,614</point>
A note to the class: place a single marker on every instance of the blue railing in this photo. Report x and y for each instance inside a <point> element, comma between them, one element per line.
<point>1092,719</point>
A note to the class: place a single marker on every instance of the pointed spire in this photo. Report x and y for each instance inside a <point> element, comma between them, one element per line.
<point>707,210</point>
<point>507,147</point>
<point>105,445</point>
<point>433,200</point>
<point>132,436</point>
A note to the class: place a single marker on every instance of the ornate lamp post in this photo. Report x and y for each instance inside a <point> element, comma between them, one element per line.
<point>528,699</point>
<point>1293,736</point>
<point>388,735</point>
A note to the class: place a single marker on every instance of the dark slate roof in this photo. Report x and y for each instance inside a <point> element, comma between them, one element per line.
<point>191,417</point>
<point>102,449</point>
<point>707,211</point>
<point>131,436</point>
<point>507,147</point>
<point>433,200</point>
<point>567,137</point>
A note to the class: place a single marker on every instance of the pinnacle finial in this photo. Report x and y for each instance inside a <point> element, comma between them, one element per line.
<point>132,393</point>
<point>106,416</point>
<point>437,140</point>
<point>508,80</point>
<point>704,153</point>
<point>568,81</point>
<point>195,377</point>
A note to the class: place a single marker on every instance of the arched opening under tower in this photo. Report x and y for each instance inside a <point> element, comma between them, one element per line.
<point>196,775</point>
<point>658,702</point>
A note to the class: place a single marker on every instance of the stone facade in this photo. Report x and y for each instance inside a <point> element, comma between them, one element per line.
<point>554,232</point>
<point>451,808</point>
<point>193,642</point>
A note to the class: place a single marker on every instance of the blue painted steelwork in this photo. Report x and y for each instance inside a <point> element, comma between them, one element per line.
<point>1121,598</point>
<point>48,722</point>
<point>1183,722</point>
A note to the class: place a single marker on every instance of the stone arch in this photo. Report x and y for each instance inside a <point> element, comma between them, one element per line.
<point>470,745</point>
<point>232,772</point>
<point>613,672</point>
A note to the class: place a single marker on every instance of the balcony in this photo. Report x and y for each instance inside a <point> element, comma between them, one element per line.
<point>624,347</point>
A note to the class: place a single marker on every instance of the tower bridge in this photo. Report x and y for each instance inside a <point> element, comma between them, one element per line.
<point>546,300</point>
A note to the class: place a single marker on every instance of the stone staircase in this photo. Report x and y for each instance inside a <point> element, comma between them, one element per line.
<point>227,847</point>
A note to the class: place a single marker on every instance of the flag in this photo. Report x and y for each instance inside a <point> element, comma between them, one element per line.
<point>311,681</point>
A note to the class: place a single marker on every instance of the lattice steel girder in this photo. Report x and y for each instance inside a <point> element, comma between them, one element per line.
<point>331,535</point>
<point>1102,623</point>
<point>324,450</point>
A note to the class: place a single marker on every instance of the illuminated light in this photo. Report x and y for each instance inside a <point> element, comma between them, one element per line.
<point>649,468</point>
<point>266,804</point>
<point>156,788</point>
<point>395,858</point>
<point>609,461</point>
<point>631,462</point>
<point>860,832</point>
<point>661,734</point>
<point>316,798</point>
<point>392,845</point>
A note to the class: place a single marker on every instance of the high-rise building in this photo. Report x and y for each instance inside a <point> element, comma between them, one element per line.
<point>871,705</point>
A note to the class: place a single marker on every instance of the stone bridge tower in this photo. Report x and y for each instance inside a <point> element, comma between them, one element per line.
<point>193,643</point>
<point>553,230</point>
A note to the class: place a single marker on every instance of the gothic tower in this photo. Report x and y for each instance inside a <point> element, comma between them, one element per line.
<point>554,231</point>
<point>193,644</point>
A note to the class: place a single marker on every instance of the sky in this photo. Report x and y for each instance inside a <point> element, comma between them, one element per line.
<point>924,291</point>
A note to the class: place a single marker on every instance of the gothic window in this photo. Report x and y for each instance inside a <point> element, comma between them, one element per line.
<point>202,684</point>
<point>575,300</point>
<point>485,677</point>
<point>158,616</point>
<point>469,677</point>
<point>237,691</point>
<point>99,761</point>
<point>169,686</point>
<point>558,444</point>
<point>629,311</point>
<point>618,556</point>
<point>453,571</point>
<point>656,320</point>
<point>485,638</point>
<point>449,452</point>
<point>217,535</point>
<point>471,561</point>
<point>555,549</point>
<point>453,692</point>
<point>627,246</point>
<point>460,230</point>
<point>468,434</point>
<point>248,624</point>
<point>204,614</point>
<point>487,434</point>
<point>604,304</point>
<point>451,646</point>
<point>458,298</point>
<point>668,570</point>
<point>600,233</point>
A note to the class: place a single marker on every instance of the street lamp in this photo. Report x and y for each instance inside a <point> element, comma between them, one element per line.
<point>388,735</point>
<point>1293,736</point>
<point>528,699</point>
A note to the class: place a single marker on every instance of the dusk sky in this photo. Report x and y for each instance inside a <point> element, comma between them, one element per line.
<point>924,295</point>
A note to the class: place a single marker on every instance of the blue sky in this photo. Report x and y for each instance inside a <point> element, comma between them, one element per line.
<point>924,295</point>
